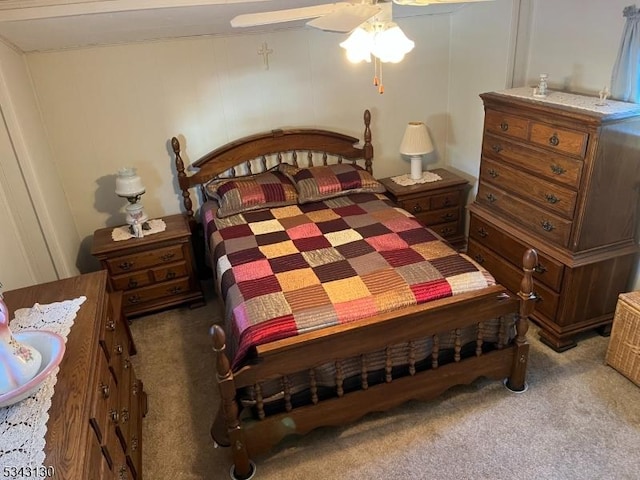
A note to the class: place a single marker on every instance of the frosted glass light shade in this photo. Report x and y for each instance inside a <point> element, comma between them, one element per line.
<point>128,183</point>
<point>416,140</point>
<point>390,45</point>
<point>358,46</point>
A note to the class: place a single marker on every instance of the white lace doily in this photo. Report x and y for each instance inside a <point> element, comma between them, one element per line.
<point>584,102</point>
<point>123,233</point>
<point>23,425</point>
<point>406,180</point>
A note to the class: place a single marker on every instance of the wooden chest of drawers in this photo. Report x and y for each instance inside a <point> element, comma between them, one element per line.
<point>155,271</point>
<point>439,205</point>
<point>94,429</point>
<point>562,179</point>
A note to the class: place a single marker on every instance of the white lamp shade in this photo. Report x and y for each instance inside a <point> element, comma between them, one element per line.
<point>358,45</point>
<point>128,183</point>
<point>391,44</point>
<point>416,140</point>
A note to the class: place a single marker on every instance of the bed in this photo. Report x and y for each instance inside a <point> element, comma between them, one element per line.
<point>336,302</point>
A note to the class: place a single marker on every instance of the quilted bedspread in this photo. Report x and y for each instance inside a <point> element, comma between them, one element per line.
<point>289,270</point>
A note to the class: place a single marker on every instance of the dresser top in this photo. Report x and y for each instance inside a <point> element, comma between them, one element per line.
<point>587,104</point>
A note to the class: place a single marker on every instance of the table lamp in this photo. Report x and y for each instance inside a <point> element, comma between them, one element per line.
<point>129,185</point>
<point>416,143</point>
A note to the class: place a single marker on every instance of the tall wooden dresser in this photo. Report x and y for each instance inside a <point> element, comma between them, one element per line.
<point>561,175</point>
<point>94,430</point>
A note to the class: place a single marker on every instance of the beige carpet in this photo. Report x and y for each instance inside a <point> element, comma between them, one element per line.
<point>579,419</point>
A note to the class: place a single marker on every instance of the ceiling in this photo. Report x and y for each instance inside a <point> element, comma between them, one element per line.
<point>43,25</point>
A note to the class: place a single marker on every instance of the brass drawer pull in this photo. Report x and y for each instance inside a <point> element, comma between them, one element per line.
<point>133,298</point>
<point>448,216</point>
<point>446,231</point>
<point>114,416</point>
<point>504,126</point>
<point>551,198</point>
<point>132,283</point>
<point>167,256</point>
<point>134,443</point>
<point>493,173</point>
<point>554,140</point>
<point>447,201</point>
<point>557,169</point>
<point>125,265</point>
<point>539,268</point>
<point>104,390</point>
<point>171,275</point>
<point>122,473</point>
<point>175,290</point>
<point>111,325</point>
<point>417,208</point>
<point>127,364</point>
<point>479,258</point>
<point>497,148</point>
<point>118,349</point>
<point>124,416</point>
<point>482,233</point>
<point>491,197</point>
<point>547,226</point>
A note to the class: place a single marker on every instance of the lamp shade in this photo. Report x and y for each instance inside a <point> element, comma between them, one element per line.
<point>416,140</point>
<point>390,44</point>
<point>358,45</point>
<point>128,183</point>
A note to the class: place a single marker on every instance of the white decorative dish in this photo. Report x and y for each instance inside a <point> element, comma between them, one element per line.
<point>51,346</point>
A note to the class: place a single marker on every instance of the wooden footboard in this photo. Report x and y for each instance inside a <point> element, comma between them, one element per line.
<point>248,435</point>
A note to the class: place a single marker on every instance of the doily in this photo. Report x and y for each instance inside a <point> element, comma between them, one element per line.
<point>23,425</point>
<point>122,233</point>
<point>583,102</point>
<point>406,180</point>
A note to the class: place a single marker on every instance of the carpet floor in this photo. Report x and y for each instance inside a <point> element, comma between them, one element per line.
<point>579,419</point>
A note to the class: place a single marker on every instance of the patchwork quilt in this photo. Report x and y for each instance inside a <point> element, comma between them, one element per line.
<point>293,269</point>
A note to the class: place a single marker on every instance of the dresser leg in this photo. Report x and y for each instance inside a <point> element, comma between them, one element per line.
<point>557,343</point>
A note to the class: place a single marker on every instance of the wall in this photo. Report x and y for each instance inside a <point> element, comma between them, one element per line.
<point>46,246</point>
<point>108,107</point>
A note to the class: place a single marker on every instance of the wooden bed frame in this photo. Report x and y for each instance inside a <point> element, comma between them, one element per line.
<point>249,436</point>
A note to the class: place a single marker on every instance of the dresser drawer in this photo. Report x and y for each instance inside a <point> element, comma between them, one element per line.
<point>139,261</point>
<point>511,125</point>
<point>555,198</point>
<point>570,142</point>
<point>152,292</point>
<point>510,276</point>
<point>540,222</point>
<point>104,399</point>
<point>547,271</point>
<point>554,167</point>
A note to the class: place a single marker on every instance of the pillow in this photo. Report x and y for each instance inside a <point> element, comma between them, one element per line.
<point>264,190</point>
<point>328,181</point>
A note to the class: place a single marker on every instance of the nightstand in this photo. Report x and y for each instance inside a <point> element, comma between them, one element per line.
<point>439,205</point>
<point>153,272</point>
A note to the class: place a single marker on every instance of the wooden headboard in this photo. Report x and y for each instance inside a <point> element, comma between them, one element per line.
<point>253,154</point>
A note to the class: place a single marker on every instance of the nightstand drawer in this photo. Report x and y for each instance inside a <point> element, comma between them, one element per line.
<point>153,292</point>
<point>444,200</point>
<point>170,272</point>
<point>138,261</point>
<point>432,219</point>
<point>447,230</point>
<point>131,280</point>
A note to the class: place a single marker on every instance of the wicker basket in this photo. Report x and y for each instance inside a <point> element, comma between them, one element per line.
<point>623,353</point>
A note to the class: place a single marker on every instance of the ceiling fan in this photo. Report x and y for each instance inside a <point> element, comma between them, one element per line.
<point>342,17</point>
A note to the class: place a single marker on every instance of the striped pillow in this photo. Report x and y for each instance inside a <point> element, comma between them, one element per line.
<point>328,181</point>
<point>264,190</point>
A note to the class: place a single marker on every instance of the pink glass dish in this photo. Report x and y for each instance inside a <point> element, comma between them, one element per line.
<point>51,346</point>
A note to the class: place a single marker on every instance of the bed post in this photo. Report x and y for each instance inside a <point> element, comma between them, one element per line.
<point>368,147</point>
<point>243,468</point>
<point>182,176</point>
<point>517,380</point>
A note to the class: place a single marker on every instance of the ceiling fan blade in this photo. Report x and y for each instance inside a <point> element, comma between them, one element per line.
<point>346,18</point>
<point>288,15</point>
